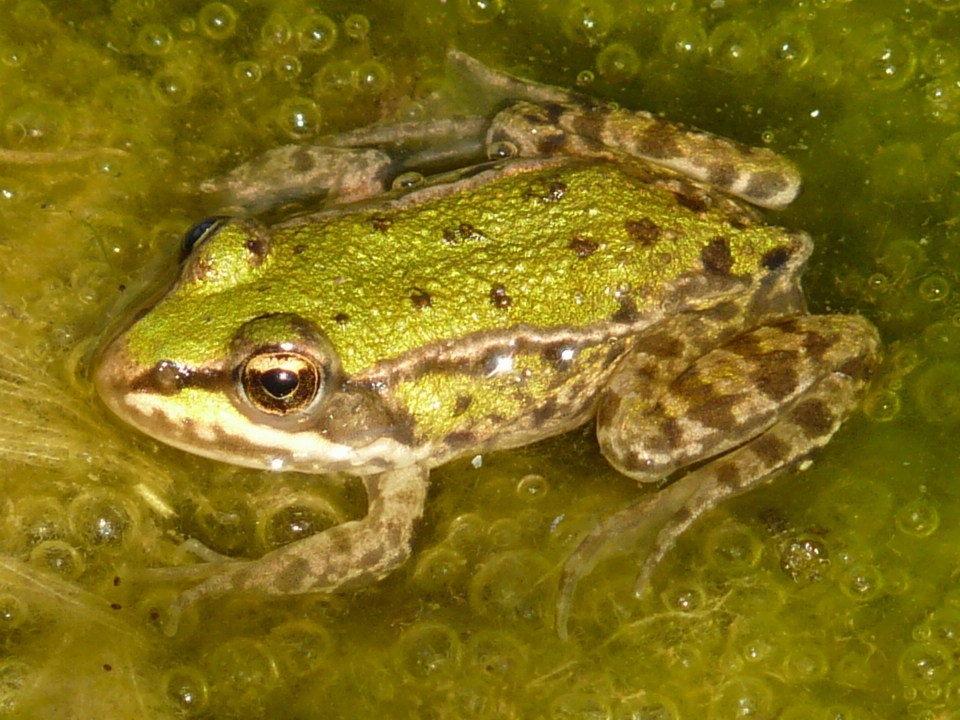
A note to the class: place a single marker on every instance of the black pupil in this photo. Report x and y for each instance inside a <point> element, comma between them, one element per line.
<point>193,235</point>
<point>279,383</point>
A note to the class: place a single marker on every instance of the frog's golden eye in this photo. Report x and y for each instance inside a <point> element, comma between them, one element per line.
<point>281,382</point>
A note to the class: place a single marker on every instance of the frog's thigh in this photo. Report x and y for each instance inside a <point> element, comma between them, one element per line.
<point>734,393</point>
<point>348,555</point>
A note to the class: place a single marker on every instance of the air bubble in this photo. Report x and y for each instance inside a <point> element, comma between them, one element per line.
<point>924,665</point>
<point>356,27</point>
<point>276,32</point>
<point>935,288</point>
<point>439,569</point>
<point>588,21</point>
<point>13,613</point>
<point>861,582</point>
<point>938,393</point>
<point>59,558</point>
<point>247,73</point>
<point>480,12</point>
<point>223,522</point>
<point>618,62</point>
<point>217,21</point>
<point>733,549</point>
<point>298,118</point>
<point>918,518</point>
<point>940,58</point>
<point>297,519</point>
<point>683,597</point>
<point>684,38</point>
<point>788,46</point>
<point>186,691</point>
<point>301,647</point>
<point>287,68</point>
<point>805,560</point>
<point>734,45</point>
<point>240,671</point>
<point>507,586</point>
<point>154,40</point>
<point>372,77</point>
<point>316,34</point>
<point>339,76</point>
<point>100,517</point>
<point>532,488</point>
<point>427,650</point>
<point>881,405</point>
<point>889,62</point>
<point>743,697</point>
<point>172,88</point>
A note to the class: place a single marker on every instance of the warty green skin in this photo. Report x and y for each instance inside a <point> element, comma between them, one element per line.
<point>487,311</point>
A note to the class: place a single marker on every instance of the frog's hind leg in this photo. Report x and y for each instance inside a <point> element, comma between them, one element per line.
<point>346,556</point>
<point>763,412</point>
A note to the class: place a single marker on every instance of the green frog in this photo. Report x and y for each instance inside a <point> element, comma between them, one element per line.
<point>596,265</point>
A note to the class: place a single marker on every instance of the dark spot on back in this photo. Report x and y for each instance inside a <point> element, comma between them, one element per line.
<point>814,417</point>
<point>421,299</point>
<point>299,249</point>
<point>645,231</point>
<point>462,404</point>
<point>499,298</point>
<point>716,257</point>
<point>693,200</point>
<point>583,247</point>
<point>627,312</point>
<point>256,247</point>
<point>382,224</point>
<point>775,259</point>
<point>341,319</point>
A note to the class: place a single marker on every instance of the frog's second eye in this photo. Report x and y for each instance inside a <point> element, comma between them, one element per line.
<point>199,231</point>
<point>281,383</point>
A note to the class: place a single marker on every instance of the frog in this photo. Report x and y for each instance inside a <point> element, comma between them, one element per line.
<point>595,265</point>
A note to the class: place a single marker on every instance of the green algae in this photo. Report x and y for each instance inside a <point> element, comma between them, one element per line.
<point>826,594</point>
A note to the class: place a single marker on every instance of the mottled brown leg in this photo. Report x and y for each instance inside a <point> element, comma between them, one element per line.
<point>349,555</point>
<point>816,368</point>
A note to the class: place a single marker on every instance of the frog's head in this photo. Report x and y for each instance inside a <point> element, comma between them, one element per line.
<point>218,368</point>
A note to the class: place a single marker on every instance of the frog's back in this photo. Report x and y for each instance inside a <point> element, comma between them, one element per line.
<point>579,246</point>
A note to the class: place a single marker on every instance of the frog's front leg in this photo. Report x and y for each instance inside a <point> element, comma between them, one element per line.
<point>350,555</point>
<point>760,403</point>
